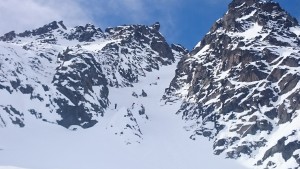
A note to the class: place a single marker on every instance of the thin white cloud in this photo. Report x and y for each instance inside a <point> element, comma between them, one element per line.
<point>20,15</point>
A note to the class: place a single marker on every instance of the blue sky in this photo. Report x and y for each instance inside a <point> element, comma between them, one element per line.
<point>182,21</point>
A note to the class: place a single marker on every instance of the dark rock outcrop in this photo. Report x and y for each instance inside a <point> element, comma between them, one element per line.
<point>76,80</point>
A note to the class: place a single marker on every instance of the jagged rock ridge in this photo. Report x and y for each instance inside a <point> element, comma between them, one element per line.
<point>62,75</point>
<point>240,85</point>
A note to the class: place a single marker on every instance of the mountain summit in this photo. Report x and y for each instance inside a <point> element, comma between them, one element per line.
<point>62,75</point>
<point>240,85</point>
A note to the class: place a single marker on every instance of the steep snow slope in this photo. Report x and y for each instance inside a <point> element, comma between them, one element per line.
<point>109,144</point>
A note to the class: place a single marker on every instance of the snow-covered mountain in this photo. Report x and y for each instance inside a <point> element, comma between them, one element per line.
<point>62,75</point>
<point>241,86</point>
<point>87,98</point>
<point>106,89</point>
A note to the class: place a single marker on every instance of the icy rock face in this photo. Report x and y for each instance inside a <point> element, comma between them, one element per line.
<point>240,85</point>
<point>62,75</point>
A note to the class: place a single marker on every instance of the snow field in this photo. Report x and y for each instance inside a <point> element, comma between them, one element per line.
<point>164,143</point>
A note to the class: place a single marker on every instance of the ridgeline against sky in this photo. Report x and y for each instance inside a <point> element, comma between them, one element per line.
<point>183,22</point>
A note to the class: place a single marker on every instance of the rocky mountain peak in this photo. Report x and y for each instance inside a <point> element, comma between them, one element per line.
<point>8,36</point>
<point>262,15</point>
<point>56,29</point>
<point>262,12</point>
<point>148,36</point>
<point>42,30</point>
<point>240,84</point>
<point>87,33</point>
<point>139,30</point>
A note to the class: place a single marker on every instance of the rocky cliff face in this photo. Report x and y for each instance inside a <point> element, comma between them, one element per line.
<point>240,85</point>
<point>62,75</point>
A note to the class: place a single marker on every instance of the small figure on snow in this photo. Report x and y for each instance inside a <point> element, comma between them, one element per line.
<point>144,94</point>
<point>132,106</point>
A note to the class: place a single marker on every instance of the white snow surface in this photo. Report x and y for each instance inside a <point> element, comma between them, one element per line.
<point>246,16</point>
<point>164,143</point>
<point>250,33</point>
<point>97,46</point>
<point>296,30</point>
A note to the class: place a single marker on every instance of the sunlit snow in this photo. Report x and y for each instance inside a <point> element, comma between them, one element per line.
<point>164,143</point>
